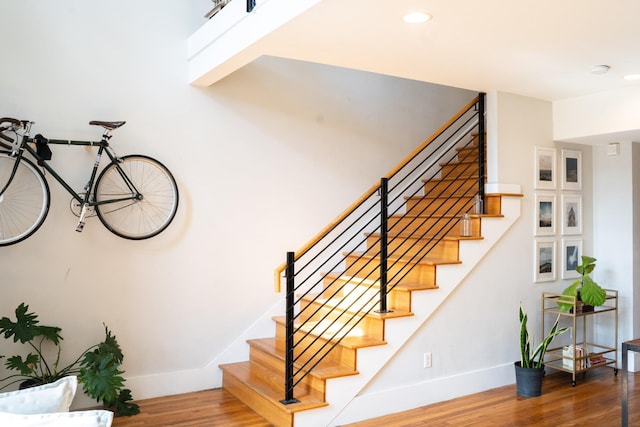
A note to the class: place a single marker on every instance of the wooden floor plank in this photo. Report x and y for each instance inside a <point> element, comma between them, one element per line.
<point>595,401</point>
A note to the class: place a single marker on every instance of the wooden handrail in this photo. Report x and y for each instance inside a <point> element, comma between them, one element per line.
<point>366,195</point>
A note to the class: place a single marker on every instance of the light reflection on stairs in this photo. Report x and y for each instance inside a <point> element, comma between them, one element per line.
<point>370,339</point>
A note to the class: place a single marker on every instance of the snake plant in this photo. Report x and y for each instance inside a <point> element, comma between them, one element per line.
<point>533,358</point>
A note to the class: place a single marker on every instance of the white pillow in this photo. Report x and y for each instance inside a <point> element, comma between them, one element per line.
<point>52,397</point>
<point>96,418</point>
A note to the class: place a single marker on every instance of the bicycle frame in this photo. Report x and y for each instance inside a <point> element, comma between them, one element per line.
<point>85,200</point>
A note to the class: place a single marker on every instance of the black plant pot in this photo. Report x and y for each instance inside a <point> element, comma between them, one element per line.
<point>529,380</point>
<point>29,383</point>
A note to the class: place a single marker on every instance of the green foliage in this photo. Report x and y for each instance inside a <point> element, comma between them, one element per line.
<point>97,368</point>
<point>534,359</point>
<point>26,327</point>
<point>26,367</point>
<point>590,292</point>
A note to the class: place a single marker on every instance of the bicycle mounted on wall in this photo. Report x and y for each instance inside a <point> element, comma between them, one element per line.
<point>134,196</point>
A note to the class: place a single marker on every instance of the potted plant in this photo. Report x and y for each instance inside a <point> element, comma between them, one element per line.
<point>583,289</point>
<point>97,368</point>
<point>530,367</point>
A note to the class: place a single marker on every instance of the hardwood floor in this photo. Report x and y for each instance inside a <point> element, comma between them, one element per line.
<point>595,401</point>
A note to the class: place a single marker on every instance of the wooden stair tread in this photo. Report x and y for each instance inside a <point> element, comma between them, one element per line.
<point>351,342</point>
<point>436,239</point>
<point>373,314</point>
<point>242,371</point>
<point>424,261</point>
<point>399,286</point>
<point>428,196</point>
<point>465,161</point>
<point>325,369</point>
<point>446,216</point>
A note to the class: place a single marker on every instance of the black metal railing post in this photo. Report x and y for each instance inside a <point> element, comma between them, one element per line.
<point>288,374</point>
<point>481,149</point>
<point>384,255</point>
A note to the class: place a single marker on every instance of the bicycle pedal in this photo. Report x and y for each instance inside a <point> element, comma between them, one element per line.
<point>79,227</point>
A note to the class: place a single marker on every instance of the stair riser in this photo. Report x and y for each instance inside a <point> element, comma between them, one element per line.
<point>493,205</point>
<point>459,170</point>
<point>339,354</point>
<point>469,154</point>
<point>439,206</point>
<point>372,327</point>
<point>398,299</point>
<point>428,226</point>
<point>445,249</point>
<point>421,273</point>
<point>309,384</point>
<point>439,188</point>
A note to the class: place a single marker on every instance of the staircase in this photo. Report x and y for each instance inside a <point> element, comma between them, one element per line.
<point>341,337</point>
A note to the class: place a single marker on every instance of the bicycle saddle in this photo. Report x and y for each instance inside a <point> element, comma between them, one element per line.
<point>107,125</point>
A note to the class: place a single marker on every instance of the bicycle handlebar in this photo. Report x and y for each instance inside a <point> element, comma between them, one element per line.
<point>14,124</point>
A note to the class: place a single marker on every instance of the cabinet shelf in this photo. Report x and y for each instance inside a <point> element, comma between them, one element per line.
<point>581,355</point>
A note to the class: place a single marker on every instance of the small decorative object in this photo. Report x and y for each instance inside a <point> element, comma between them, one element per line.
<point>584,289</point>
<point>478,205</point>
<point>97,368</point>
<point>530,367</point>
<point>571,354</point>
<point>465,225</point>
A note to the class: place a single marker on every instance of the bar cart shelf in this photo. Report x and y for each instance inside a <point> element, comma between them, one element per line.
<point>581,355</point>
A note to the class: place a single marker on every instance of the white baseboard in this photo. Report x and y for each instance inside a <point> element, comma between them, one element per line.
<point>416,395</point>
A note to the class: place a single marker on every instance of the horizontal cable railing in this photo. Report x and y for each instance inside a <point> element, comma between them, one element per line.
<point>346,272</point>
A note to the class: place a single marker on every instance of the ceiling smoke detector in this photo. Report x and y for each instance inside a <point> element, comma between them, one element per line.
<point>600,69</point>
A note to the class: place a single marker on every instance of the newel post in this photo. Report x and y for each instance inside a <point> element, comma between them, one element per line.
<point>384,219</point>
<point>481,149</point>
<point>288,380</point>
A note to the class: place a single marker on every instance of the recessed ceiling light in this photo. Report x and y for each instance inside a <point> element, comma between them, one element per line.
<point>632,77</point>
<point>416,17</point>
<point>600,69</point>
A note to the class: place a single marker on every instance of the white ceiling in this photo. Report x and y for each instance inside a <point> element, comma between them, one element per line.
<point>543,48</point>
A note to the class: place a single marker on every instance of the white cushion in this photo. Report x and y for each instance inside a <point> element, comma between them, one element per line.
<point>52,397</point>
<point>97,418</point>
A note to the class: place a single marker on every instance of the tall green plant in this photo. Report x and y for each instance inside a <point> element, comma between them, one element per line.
<point>590,292</point>
<point>534,358</point>
<point>97,368</point>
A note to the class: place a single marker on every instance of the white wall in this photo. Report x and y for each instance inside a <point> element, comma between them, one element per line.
<point>263,160</point>
<point>601,119</point>
<point>615,246</point>
<point>588,118</point>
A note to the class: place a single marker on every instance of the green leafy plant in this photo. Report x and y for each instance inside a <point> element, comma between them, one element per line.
<point>584,287</point>
<point>533,357</point>
<point>97,368</point>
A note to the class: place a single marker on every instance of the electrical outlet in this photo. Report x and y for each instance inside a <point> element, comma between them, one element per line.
<point>427,360</point>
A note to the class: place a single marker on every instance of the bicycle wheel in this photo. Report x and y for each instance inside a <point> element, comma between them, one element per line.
<point>139,217</point>
<point>25,203</point>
